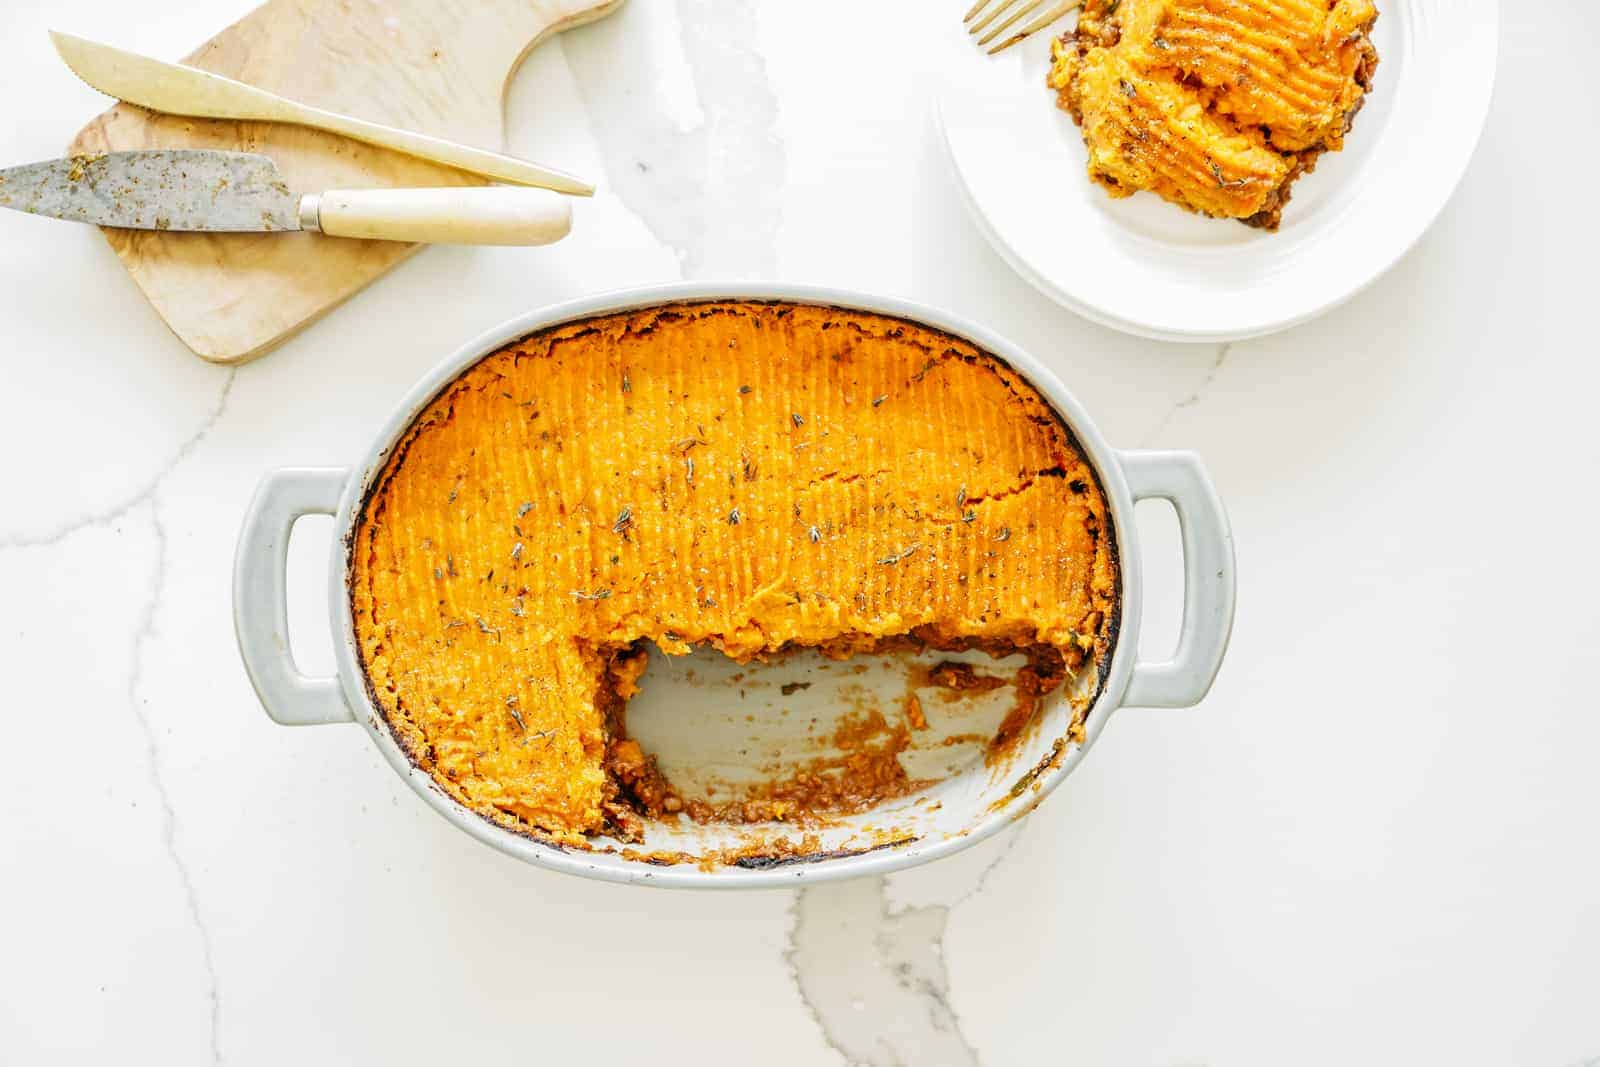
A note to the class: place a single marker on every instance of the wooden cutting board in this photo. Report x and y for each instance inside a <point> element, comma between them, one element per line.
<point>440,68</point>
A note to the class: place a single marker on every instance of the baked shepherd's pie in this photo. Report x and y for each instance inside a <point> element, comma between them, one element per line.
<point>752,477</point>
<point>1215,105</point>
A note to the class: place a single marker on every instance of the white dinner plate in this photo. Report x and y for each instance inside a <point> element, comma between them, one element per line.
<point>1149,268</point>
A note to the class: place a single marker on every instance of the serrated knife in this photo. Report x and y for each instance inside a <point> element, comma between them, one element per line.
<point>241,192</point>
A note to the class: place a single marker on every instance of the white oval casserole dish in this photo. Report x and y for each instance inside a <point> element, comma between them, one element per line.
<point>935,822</point>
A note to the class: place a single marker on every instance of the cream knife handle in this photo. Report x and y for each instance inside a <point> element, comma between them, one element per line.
<point>457,215</point>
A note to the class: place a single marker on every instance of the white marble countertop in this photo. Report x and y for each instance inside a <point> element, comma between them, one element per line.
<point>1374,842</point>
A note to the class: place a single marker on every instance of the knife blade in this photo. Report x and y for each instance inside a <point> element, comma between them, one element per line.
<point>188,189</point>
<point>172,189</point>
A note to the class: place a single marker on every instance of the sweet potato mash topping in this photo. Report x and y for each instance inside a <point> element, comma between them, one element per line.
<point>753,477</point>
<point>1215,105</point>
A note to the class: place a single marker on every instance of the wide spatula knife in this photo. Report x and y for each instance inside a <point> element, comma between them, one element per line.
<point>240,192</point>
<point>179,90</point>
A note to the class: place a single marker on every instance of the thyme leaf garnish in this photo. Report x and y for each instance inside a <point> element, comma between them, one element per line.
<point>598,594</point>
<point>904,553</point>
<point>1216,172</point>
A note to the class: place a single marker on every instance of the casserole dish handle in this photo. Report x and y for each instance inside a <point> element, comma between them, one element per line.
<point>1208,579</point>
<point>260,604</point>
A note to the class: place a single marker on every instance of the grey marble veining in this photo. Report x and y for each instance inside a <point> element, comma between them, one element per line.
<point>137,701</point>
<point>144,492</point>
<point>144,506</point>
<point>1154,435</point>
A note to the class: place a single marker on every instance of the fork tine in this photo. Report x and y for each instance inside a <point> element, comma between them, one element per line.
<point>1036,25</point>
<point>973,10</point>
<point>1027,8</point>
<point>999,9</point>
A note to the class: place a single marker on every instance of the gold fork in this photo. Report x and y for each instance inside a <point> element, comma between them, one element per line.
<point>1015,11</point>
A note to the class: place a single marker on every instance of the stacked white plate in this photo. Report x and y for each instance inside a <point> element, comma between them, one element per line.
<point>1146,267</point>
